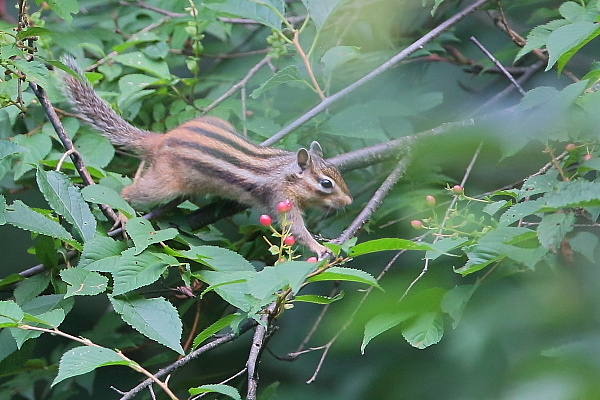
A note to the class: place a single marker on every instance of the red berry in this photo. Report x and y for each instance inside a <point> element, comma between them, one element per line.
<point>587,157</point>
<point>415,223</point>
<point>284,206</point>
<point>430,200</point>
<point>570,147</point>
<point>289,240</point>
<point>265,220</point>
<point>312,259</point>
<point>457,189</point>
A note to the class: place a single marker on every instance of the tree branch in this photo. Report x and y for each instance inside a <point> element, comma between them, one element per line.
<point>194,354</point>
<point>417,45</point>
<point>68,145</point>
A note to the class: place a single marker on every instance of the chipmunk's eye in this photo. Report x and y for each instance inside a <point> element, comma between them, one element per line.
<point>326,183</point>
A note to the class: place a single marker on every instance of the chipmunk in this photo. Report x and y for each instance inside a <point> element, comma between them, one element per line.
<point>206,156</point>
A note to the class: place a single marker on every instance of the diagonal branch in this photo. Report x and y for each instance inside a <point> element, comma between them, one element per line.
<point>417,45</point>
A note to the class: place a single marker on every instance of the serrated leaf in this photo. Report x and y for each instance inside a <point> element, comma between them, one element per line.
<point>538,37</point>
<point>66,200</point>
<point>21,216</point>
<point>155,318</point>
<point>98,248</point>
<point>585,243</point>
<point>143,234</point>
<point>455,300</point>
<point>95,150</point>
<point>83,359</point>
<point>569,37</point>
<point>553,228</point>
<point>220,388</point>
<point>131,271</point>
<point>10,313</point>
<point>382,323</point>
<point>579,193</point>
<point>376,245</point>
<point>286,75</point>
<point>443,246</point>
<point>2,210</point>
<point>214,328</point>
<point>39,146</point>
<point>139,61</point>
<point>62,8</point>
<point>521,210</point>
<point>232,287</point>
<point>8,148</point>
<point>424,330</point>
<point>345,274</point>
<point>256,10</point>
<point>218,258</point>
<point>52,319</point>
<point>316,299</point>
<point>99,194</point>
<point>82,282</point>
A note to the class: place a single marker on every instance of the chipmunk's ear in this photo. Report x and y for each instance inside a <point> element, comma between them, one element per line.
<point>315,148</point>
<point>303,158</point>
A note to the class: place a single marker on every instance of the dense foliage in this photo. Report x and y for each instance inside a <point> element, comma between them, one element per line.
<point>468,135</point>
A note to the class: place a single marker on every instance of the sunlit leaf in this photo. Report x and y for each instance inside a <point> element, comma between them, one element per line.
<point>83,359</point>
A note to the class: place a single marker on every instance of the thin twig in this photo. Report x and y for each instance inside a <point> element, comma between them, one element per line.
<point>499,65</point>
<point>444,220</point>
<point>194,354</point>
<point>349,321</point>
<point>417,45</point>
<point>306,62</point>
<point>375,200</point>
<point>237,86</point>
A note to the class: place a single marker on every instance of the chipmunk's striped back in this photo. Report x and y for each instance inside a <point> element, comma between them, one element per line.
<point>207,156</point>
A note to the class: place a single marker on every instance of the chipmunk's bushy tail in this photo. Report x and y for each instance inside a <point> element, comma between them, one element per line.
<point>96,112</point>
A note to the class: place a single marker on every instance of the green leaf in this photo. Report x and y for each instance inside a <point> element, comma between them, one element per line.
<point>156,319</point>
<point>585,243</point>
<point>345,274</point>
<point>319,10</point>
<point>214,328</point>
<point>2,210</point>
<point>143,234</point>
<point>100,247</point>
<point>567,39</point>
<point>387,244</point>
<point>62,8</point>
<point>139,61</point>
<point>335,57</point>
<point>8,148</point>
<point>316,299</point>
<point>222,389</point>
<point>31,288</point>
<point>95,150</point>
<point>21,216</point>
<point>286,75</point>
<point>443,246</point>
<point>66,200</point>
<point>39,146</point>
<point>35,71</point>
<point>99,194</point>
<point>83,359</point>
<point>218,258</point>
<point>382,323</point>
<point>33,31</point>
<point>455,300</point>
<point>424,330</point>
<point>259,11</point>
<point>83,282</point>
<point>232,287</point>
<point>521,210</point>
<point>538,37</point>
<point>579,193</point>
<point>131,271</point>
<point>10,313</point>
<point>553,228</point>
